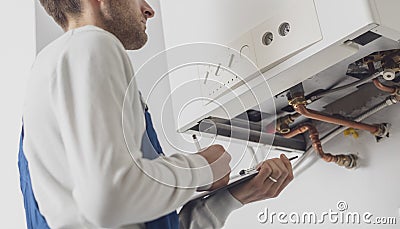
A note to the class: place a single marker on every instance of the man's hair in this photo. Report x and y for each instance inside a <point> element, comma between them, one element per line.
<point>58,10</point>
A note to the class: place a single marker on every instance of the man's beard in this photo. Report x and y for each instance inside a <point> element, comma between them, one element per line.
<point>126,26</point>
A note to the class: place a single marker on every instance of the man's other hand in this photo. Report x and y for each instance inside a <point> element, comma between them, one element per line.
<point>219,160</point>
<point>273,176</point>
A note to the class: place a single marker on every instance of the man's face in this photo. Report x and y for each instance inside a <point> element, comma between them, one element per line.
<point>126,19</point>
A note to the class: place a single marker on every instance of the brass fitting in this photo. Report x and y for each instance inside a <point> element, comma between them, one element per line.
<point>282,124</point>
<point>348,161</point>
<point>298,101</point>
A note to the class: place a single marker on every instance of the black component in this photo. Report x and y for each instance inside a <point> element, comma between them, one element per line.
<point>249,131</point>
<point>295,91</point>
<point>397,79</point>
<point>366,38</point>
<point>254,116</point>
<point>359,75</point>
<point>288,109</point>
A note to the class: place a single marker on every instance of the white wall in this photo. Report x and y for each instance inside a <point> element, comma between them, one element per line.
<point>46,29</point>
<point>17,47</point>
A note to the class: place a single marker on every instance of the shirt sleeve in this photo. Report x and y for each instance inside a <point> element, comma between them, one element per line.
<point>210,213</point>
<point>113,184</point>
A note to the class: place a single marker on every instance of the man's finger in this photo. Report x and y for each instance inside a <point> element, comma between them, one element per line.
<point>287,163</point>
<point>265,170</point>
<point>276,172</point>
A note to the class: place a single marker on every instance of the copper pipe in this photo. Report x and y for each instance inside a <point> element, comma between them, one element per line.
<point>388,89</point>
<point>299,130</point>
<point>348,161</point>
<point>301,108</point>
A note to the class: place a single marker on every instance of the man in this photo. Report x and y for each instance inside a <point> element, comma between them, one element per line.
<point>82,173</point>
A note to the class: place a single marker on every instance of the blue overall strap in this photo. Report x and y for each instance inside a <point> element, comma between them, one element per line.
<point>34,219</point>
<point>170,221</point>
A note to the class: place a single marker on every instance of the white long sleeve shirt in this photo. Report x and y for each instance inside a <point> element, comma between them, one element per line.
<point>85,157</point>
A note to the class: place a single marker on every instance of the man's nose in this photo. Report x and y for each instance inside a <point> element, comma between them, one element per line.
<point>147,10</point>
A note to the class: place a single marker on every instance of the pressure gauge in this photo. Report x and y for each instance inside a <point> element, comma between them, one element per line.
<point>267,38</point>
<point>284,29</point>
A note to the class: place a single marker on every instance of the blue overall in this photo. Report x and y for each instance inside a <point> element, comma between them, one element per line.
<point>35,219</point>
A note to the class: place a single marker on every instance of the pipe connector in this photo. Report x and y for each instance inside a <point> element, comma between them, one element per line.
<point>282,124</point>
<point>295,102</point>
<point>389,74</point>
<point>348,161</point>
<point>383,130</point>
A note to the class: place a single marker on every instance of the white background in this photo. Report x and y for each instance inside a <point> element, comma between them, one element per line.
<point>16,55</point>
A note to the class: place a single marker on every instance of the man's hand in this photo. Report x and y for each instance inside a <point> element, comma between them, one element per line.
<point>219,160</point>
<point>263,185</point>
